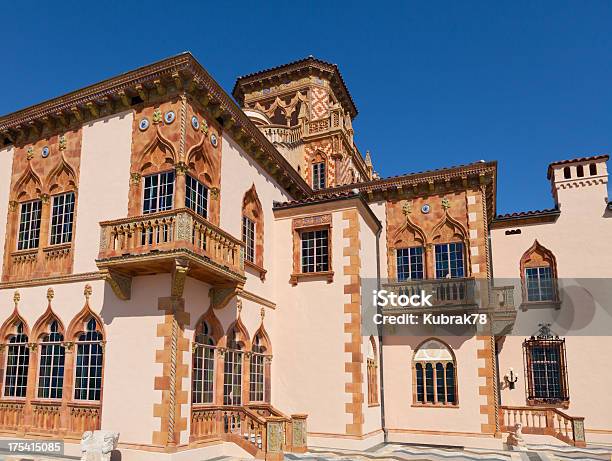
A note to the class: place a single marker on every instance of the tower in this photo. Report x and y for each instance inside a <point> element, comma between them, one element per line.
<point>305,109</point>
<point>580,185</point>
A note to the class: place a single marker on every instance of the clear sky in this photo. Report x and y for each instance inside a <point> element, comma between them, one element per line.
<point>436,83</point>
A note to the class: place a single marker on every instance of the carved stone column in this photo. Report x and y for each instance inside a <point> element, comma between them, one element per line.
<point>179,185</point>
<point>299,434</point>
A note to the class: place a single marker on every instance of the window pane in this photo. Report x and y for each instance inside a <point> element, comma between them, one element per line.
<point>429,382</point>
<point>449,260</point>
<point>318,175</point>
<point>440,388</point>
<point>315,251</point>
<point>539,284</point>
<point>232,378</point>
<point>62,218</point>
<point>420,383</point>
<point>409,263</point>
<point>158,192</point>
<point>248,237</point>
<point>196,196</point>
<point>29,225</point>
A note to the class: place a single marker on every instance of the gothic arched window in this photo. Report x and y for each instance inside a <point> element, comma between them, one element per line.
<point>539,275</point>
<point>17,362</point>
<point>89,363</point>
<point>203,378</point>
<point>434,374</point>
<point>51,367</point>
<point>256,381</point>
<point>232,371</point>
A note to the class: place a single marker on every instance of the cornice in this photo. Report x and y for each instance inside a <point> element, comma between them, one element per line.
<point>183,72</point>
<point>307,64</point>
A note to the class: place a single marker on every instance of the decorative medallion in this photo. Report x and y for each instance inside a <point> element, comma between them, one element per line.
<point>45,152</point>
<point>213,140</point>
<point>169,117</point>
<point>195,123</point>
<point>425,209</point>
<point>144,124</point>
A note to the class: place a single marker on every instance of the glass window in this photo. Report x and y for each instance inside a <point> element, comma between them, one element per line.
<point>196,196</point>
<point>256,391</point>
<point>248,237</point>
<point>62,218</point>
<point>51,370</point>
<point>17,362</point>
<point>29,225</point>
<point>547,376</point>
<point>539,284</point>
<point>232,373</point>
<point>88,375</point>
<point>203,367</point>
<point>449,260</point>
<point>315,248</point>
<point>318,175</point>
<point>435,374</point>
<point>409,263</point>
<point>158,192</point>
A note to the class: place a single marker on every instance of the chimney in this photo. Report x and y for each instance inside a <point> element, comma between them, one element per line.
<point>580,184</point>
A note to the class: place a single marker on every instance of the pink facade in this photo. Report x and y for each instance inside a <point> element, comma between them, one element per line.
<point>224,260</point>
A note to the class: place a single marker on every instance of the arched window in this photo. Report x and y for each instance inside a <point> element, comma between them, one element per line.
<point>567,173</point>
<point>592,169</point>
<point>580,171</point>
<point>318,175</point>
<point>89,363</point>
<point>435,374</point>
<point>232,371</point>
<point>203,366</point>
<point>257,375</point>
<point>539,275</point>
<point>17,362</point>
<point>253,229</point>
<point>372,372</point>
<point>51,367</point>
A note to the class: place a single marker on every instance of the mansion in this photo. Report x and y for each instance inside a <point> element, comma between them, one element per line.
<point>190,268</point>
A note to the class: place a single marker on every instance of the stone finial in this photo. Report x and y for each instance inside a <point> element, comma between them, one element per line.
<point>30,154</point>
<point>239,306</point>
<point>50,294</point>
<point>368,158</point>
<point>16,298</point>
<point>62,142</point>
<point>87,292</point>
<point>446,203</point>
<point>262,312</point>
<point>407,208</point>
<point>157,116</point>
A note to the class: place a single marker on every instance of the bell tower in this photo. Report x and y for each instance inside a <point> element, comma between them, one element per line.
<point>305,109</point>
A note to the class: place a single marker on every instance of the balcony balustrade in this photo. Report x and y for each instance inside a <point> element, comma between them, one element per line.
<point>456,293</point>
<point>164,242</point>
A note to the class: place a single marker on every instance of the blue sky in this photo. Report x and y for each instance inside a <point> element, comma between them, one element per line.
<point>436,83</point>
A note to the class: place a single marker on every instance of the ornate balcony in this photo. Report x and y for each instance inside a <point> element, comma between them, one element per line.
<point>177,241</point>
<point>458,293</point>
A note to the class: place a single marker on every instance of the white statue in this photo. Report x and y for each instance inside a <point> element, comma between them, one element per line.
<point>515,439</point>
<point>98,445</point>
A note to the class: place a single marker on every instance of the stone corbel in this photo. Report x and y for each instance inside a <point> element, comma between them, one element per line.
<point>124,98</point>
<point>141,92</point>
<point>161,89</point>
<point>179,274</point>
<point>93,109</point>
<point>220,296</point>
<point>120,283</point>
